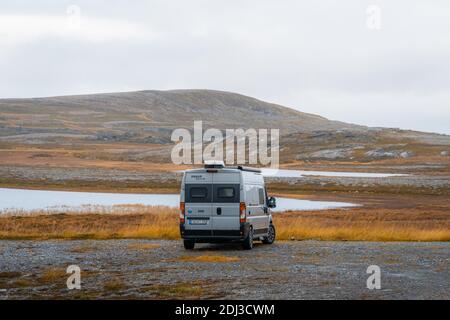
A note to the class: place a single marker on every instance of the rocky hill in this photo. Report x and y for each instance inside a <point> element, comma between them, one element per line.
<point>148,118</point>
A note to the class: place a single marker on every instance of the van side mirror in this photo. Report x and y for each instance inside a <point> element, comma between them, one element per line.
<point>272,202</point>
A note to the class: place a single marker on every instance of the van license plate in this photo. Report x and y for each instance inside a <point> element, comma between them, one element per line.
<point>197,221</point>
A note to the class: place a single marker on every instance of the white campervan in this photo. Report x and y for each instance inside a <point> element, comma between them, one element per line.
<point>219,203</point>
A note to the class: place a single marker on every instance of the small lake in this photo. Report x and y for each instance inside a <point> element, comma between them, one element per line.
<point>30,200</point>
<point>285,173</point>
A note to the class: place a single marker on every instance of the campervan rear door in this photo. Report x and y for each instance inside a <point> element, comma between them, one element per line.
<point>226,198</point>
<point>198,191</point>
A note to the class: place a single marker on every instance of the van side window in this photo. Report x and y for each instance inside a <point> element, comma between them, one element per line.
<point>226,193</point>
<point>261,196</point>
<point>252,195</point>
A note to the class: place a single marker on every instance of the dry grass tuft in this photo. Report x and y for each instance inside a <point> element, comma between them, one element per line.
<point>53,275</point>
<point>82,249</point>
<point>22,283</point>
<point>114,285</point>
<point>9,274</point>
<point>178,291</point>
<point>143,246</point>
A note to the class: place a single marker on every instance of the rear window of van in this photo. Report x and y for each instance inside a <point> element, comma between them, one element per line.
<point>198,193</point>
<point>219,193</point>
<point>226,193</point>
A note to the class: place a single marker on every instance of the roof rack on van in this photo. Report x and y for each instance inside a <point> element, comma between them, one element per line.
<point>242,168</point>
<point>214,164</point>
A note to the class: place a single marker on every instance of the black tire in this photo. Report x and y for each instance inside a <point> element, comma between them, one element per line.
<point>270,236</point>
<point>189,244</point>
<point>248,242</point>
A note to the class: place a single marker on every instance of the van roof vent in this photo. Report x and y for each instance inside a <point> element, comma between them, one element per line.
<point>214,164</point>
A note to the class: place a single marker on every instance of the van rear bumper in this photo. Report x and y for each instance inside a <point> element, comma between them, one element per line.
<point>215,235</point>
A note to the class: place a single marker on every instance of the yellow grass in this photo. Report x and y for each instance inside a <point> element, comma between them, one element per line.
<point>142,222</point>
<point>53,275</point>
<point>82,249</point>
<point>9,274</point>
<point>21,283</point>
<point>365,233</point>
<point>143,246</point>
<point>179,290</point>
<point>114,285</point>
<point>138,222</point>
<point>365,225</point>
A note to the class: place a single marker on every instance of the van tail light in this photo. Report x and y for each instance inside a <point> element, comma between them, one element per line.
<point>242,216</point>
<point>182,209</point>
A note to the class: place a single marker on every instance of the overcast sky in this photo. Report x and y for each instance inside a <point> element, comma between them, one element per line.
<point>332,58</point>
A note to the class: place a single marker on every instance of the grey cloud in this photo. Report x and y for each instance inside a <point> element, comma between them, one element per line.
<point>318,57</point>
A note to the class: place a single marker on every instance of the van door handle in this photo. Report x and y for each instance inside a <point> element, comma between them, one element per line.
<point>219,211</point>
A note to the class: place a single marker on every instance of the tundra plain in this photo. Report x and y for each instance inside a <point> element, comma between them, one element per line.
<point>120,142</point>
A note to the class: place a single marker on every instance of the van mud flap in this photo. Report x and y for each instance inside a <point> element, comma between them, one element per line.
<point>244,230</point>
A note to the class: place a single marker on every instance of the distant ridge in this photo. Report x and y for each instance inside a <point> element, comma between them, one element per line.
<point>150,116</point>
<point>174,108</point>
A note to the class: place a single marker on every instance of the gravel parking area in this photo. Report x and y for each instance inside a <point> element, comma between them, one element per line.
<point>157,269</point>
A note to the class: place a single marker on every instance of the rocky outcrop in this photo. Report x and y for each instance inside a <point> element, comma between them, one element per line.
<point>381,154</point>
<point>332,153</point>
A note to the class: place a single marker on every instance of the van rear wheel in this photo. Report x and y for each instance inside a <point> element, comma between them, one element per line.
<point>189,244</point>
<point>248,241</point>
<point>270,235</point>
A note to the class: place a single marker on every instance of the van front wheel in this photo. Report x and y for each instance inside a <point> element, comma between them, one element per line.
<point>248,241</point>
<point>270,235</point>
<point>189,244</point>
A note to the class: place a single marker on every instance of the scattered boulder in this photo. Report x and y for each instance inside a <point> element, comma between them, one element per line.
<point>406,154</point>
<point>157,140</point>
<point>381,153</point>
<point>165,131</point>
<point>110,136</point>
<point>331,153</point>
